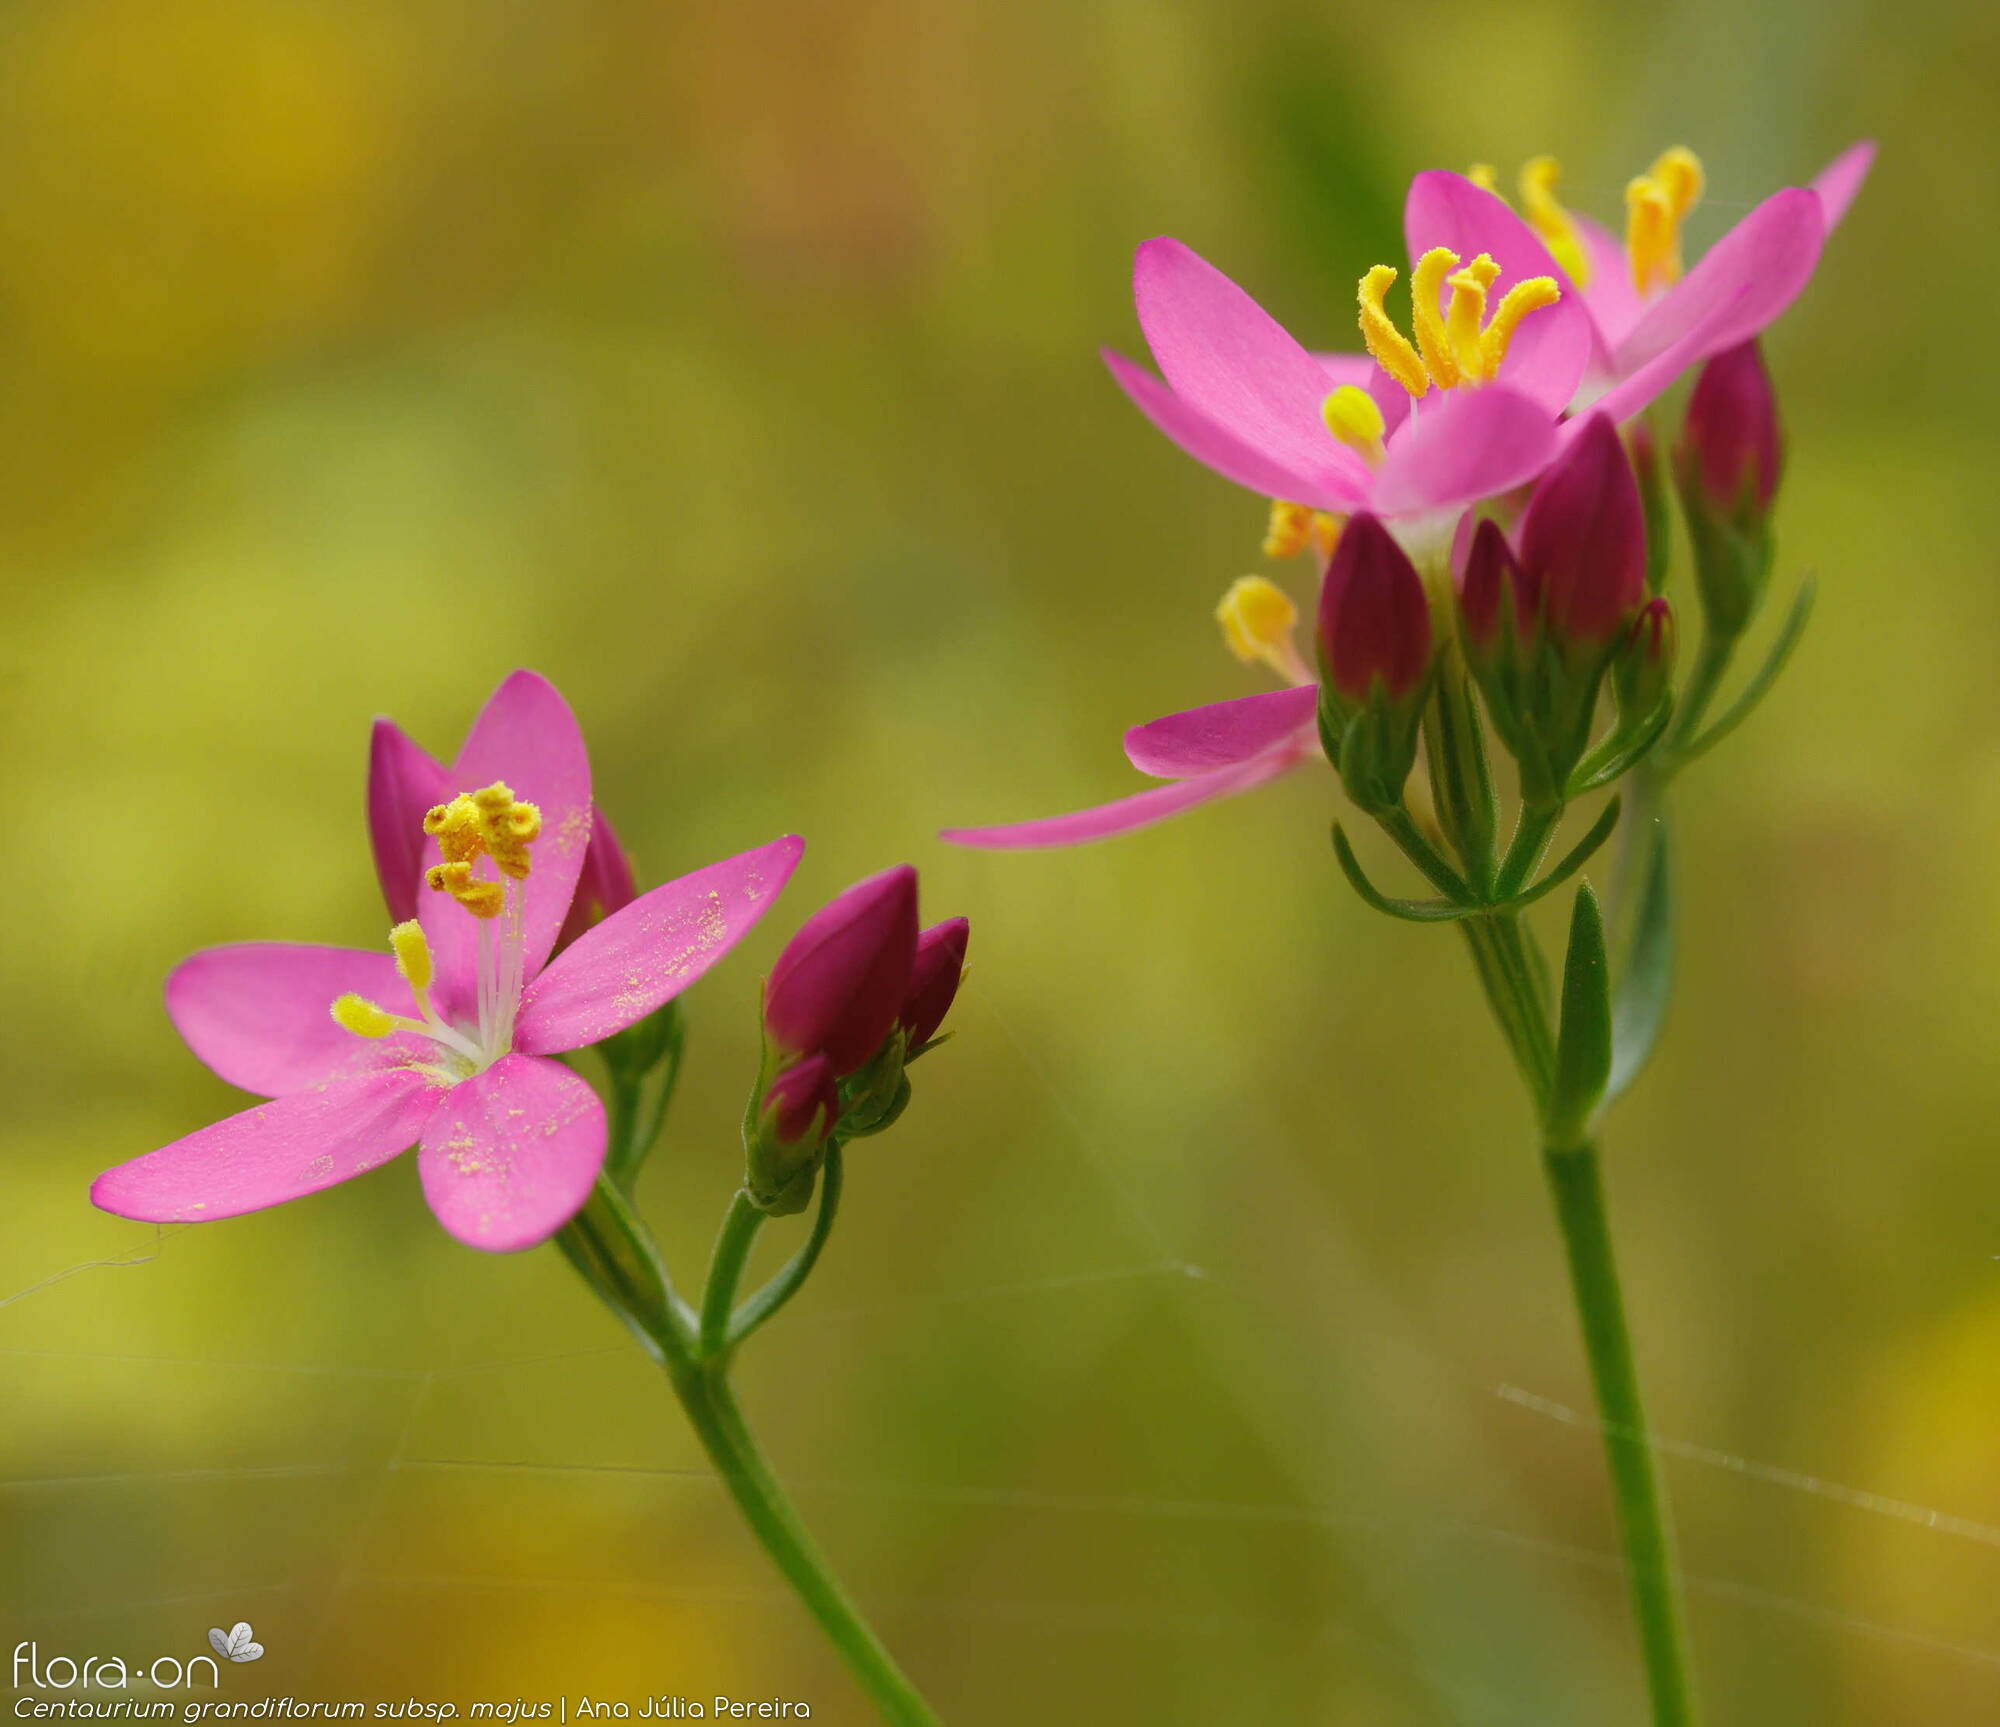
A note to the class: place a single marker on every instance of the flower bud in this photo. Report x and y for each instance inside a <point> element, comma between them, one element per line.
<point>1374,620</point>
<point>839,986</point>
<point>1495,592</point>
<point>603,886</point>
<point>1584,538</point>
<point>794,1119</point>
<point>1732,451</point>
<point>1644,670</point>
<point>934,979</point>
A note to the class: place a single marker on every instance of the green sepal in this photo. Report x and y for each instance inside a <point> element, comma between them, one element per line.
<point>1573,860</point>
<point>1621,751</point>
<point>1410,910</point>
<point>1767,674</point>
<point>1583,1044</point>
<point>1732,552</point>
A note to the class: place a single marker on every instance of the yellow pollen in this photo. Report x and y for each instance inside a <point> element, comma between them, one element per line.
<point>1326,532</point>
<point>1257,619</point>
<point>1465,315</point>
<point>413,955</point>
<point>1351,416</point>
<point>1426,284</point>
<point>1391,349</point>
<point>1550,220</point>
<point>1481,175</point>
<point>1285,537</point>
<point>1655,206</point>
<point>486,823</point>
<point>361,1016</point>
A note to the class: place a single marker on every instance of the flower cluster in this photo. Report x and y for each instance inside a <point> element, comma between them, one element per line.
<point>1471,488</point>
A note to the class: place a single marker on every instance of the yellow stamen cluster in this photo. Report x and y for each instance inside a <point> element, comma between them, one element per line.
<point>356,1013</point>
<point>1293,527</point>
<point>1549,219</point>
<point>486,823</point>
<point>1461,344</point>
<point>1656,204</point>
<point>1257,619</point>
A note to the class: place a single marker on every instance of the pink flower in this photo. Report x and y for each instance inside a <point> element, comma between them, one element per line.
<point>801,1106</point>
<point>839,985</point>
<point>1374,621</point>
<point>510,1140</point>
<point>1340,433</point>
<point>1583,539</point>
<point>1648,320</point>
<point>934,980</point>
<point>1732,448</point>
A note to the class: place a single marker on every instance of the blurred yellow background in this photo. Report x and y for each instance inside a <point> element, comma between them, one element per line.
<point>734,366</point>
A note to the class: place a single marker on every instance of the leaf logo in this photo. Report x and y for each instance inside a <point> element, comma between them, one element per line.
<point>236,1643</point>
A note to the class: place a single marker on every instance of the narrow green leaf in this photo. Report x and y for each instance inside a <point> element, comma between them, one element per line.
<point>1767,675</point>
<point>1583,1046</point>
<point>1410,910</point>
<point>1577,856</point>
<point>1645,985</point>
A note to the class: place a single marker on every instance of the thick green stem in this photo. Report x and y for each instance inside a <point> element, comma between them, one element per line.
<point>1578,1191</point>
<point>1514,988</point>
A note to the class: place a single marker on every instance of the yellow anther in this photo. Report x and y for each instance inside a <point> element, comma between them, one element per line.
<point>1679,174</point>
<point>1652,236</point>
<point>361,1016</point>
<point>1519,300</point>
<point>486,823</point>
<point>1286,535</point>
<point>481,898</point>
<point>1550,220</point>
<point>413,955</point>
<point>1481,175</point>
<point>1257,619</point>
<point>1326,532</point>
<point>1426,282</point>
<point>1391,349</point>
<point>1351,416</point>
<point>1466,314</point>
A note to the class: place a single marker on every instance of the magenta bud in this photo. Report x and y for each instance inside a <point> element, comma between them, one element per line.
<point>604,885</point>
<point>1374,620</point>
<point>802,1105</point>
<point>841,981</point>
<point>934,980</point>
<point>1583,538</point>
<point>1493,584</point>
<point>1731,445</point>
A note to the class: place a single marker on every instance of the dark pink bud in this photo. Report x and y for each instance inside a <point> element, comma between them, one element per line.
<point>840,983</point>
<point>1731,442</point>
<point>1583,538</point>
<point>934,979</point>
<point>604,886</point>
<point>1374,621</point>
<point>1492,572</point>
<point>802,1104</point>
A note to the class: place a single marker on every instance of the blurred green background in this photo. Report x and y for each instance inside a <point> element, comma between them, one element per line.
<point>733,365</point>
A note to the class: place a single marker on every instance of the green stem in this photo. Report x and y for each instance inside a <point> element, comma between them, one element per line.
<point>782,1287</point>
<point>725,1272</point>
<point>1514,988</point>
<point>1711,664</point>
<point>1578,1191</point>
<point>718,1423</point>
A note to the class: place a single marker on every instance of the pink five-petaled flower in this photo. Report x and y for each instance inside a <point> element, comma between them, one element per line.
<point>1339,433</point>
<point>511,1140</point>
<point>1648,321</point>
<point>840,983</point>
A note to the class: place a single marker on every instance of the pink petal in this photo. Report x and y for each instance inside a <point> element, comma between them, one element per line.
<point>642,957</point>
<point>1221,734</point>
<point>1841,178</point>
<point>1462,446</point>
<point>510,1155</point>
<point>404,781</point>
<point>1639,389</point>
<point>1546,359</point>
<point>258,1012</point>
<point>1140,810</point>
<point>1740,285</point>
<point>1613,303</point>
<point>1334,487</point>
<point>527,737</point>
<point>275,1152</point>
<point>1230,361</point>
